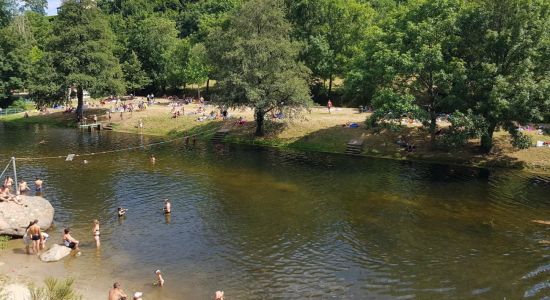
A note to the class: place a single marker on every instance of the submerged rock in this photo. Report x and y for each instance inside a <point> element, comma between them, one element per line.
<point>14,218</point>
<point>56,252</point>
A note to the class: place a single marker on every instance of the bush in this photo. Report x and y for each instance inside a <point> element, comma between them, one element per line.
<point>4,241</point>
<point>22,104</point>
<point>55,290</point>
<point>521,141</point>
<point>463,127</point>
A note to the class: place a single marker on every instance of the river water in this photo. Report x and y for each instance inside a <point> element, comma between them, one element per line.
<point>271,224</point>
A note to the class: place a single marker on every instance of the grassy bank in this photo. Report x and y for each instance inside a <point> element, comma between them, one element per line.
<point>316,130</point>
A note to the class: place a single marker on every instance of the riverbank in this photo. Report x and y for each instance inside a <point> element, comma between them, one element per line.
<point>316,130</point>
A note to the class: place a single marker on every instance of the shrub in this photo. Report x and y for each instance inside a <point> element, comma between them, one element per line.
<point>521,141</point>
<point>55,290</point>
<point>4,241</point>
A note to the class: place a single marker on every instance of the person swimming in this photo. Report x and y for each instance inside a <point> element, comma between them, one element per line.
<point>152,158</point>
<point>38,184</point>
<point>121,211</point>
<point>167,206</point>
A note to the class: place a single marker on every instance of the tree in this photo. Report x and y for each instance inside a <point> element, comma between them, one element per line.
<point>197,69</point>
<point>153,40</point>
<point>414,56</point>
<point>331,31</point>
<point>256,62</point>
<point>134,76</point>
<point>82,49</point>
<point>505,46</point>
<point>37,6</point>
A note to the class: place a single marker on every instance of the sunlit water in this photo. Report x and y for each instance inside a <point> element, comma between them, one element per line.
<point>271,224</point>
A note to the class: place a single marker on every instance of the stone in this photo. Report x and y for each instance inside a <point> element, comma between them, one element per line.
<point>55,253</point>
<point>15,218</point>
<point>15,291</point>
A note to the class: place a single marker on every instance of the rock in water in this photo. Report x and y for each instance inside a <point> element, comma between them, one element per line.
<point>56,252</point>
<point>14,218</point>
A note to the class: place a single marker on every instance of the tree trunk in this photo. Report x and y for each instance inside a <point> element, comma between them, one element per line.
<point>208,86</point>
<point>487,138</point>
<point>80,105</point>
<point>433,127</point>
<point>259,122</point>
<point>198,91</point>
<point>329,87</point>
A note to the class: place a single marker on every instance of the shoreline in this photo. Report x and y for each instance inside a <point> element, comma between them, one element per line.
<point>300,143</point>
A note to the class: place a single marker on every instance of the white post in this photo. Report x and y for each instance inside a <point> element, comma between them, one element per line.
<point>17,192</point>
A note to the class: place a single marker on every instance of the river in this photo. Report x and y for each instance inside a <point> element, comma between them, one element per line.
<point>278,224</point>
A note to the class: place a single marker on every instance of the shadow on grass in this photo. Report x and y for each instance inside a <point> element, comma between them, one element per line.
<point>202,130</point>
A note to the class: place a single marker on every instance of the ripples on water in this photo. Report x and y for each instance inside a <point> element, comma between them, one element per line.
<point>264,223</point>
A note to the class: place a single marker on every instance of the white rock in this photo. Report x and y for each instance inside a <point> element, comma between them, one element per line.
<point>14,218</point>
<point>55,253</point>
<point>15,292</point>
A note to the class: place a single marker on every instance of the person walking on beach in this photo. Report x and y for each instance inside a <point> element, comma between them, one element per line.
<point>38,185</point>
<point>36,236</point>
<point>329,105</point>
<point>95,232</point>
<point>116,293</point>
<point>167,206</point>
<point>69,241</point>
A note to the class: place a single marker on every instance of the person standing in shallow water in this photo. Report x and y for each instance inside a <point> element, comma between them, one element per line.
<point>95,232</point>
<point>36,236</point>
<point>38,185</point>
<point>153,159</point>
<point>167,206</point>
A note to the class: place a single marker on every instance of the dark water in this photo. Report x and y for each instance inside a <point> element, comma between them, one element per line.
<point>270,224</point>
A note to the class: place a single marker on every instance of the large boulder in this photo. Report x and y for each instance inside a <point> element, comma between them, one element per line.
<point>56,252</point>
<point>14,218</point>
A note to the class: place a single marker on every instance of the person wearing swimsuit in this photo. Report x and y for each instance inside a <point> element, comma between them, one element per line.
<point>38,185</point>
<point>69,241</point>
<point>95,231</point>
<point>36,236</point>
<point>116,293</point>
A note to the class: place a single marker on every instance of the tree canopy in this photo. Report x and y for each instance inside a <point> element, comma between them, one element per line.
<point>257,63</point>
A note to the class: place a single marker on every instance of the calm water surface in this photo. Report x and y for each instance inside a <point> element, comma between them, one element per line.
<point>270,224</point>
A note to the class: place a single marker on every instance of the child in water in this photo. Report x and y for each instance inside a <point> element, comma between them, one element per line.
<point>160,280</point>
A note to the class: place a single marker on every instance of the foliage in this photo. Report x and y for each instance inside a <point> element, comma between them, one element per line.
<point>22,104</point>
<point>134,75</point>
<point>55,290</point>
<point>391,107</point>
<point>463,127</point>
<point>256,62</point>
<point>330,31</point>
<point>82,47</point>
<point>505,47</point>
<point>521,140</point>
<point>4,239</point>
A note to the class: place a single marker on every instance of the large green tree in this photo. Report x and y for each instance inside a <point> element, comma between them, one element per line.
<point>82,48</point>
<point>415,56</point>
<point>331,32</point>
<point>505,46</point>
<point>257,63</point>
